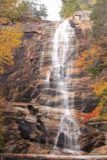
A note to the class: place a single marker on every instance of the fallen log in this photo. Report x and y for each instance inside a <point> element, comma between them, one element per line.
<point>50,157</point>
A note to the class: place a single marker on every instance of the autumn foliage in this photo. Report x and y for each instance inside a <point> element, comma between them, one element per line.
<point>10,38</point>
<point>100,88</point>
<point>94,60</point>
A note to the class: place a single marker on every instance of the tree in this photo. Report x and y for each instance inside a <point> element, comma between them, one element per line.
<point>94,60</point>
<point>99,16</point>
<point>69,7</point>
<point>15,10</point>
<point>39,11</point>
<point>43,11</point>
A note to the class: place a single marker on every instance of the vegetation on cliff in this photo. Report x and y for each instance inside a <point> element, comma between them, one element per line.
<point>94,60</point>
<point>11,35</point>
<point>10,38</point>
<point>15,10</point>
<point>12,10</point>
<point>69,7</point>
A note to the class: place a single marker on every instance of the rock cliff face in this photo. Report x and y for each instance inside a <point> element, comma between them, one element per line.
<point>26,82</point>
<point>21,80</point>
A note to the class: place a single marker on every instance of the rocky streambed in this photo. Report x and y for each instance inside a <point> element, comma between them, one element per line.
<point>35,133</point>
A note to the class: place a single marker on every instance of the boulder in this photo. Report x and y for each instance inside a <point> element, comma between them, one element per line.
<point>33,131</point>
<point>27,129</point>
<point>100,151</point>
<point>91,141</point>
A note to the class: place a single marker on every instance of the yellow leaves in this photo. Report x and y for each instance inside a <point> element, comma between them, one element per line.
<point>100,87</point>
<point>94,1</point>
<point>4,20</point>
<point>98,110</point>
<point>88,57</point>
<point>10,38</point>
<point>95,59</point>
<point>8,3</point>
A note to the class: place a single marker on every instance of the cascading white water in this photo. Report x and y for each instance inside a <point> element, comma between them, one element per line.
<point>63,52</point>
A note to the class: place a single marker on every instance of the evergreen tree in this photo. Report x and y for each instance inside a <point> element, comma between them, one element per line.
<point>99,17</point>
<point>16,10</point>
<point>69,7</point>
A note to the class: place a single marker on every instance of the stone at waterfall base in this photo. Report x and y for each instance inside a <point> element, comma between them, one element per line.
<point>91,141</point>
<point>100,151</point>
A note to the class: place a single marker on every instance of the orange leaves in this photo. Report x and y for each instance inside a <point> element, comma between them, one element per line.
<point>81,60</point>
<point>97,52</point>
<point>91,116</point>
<point>100,88</point>
<point>4,20</point>
<point>96,59</point>
<point>87,117</point>
<point>10,38</point>
<point>88,57</point>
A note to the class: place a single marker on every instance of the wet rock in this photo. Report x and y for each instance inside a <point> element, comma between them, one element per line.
<point>26,80</point>
<point>26,129</point>
<point>61,140</point>
<point>25,96</point>
<point>90,104</point>
<point>34,131</point>
<point>33,111</point>
<point>21,147</point>
<point>19,82</point>
<point>102,126</point>
<point>52,92</point>
<point>91,141</point>
<point>85,129</point>
<point>72,23</point>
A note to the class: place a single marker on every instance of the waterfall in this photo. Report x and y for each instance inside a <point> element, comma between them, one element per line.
<point>62,53</point>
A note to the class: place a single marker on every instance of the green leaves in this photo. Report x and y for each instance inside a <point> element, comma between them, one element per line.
<point>69,7</point>
<point>15,10</point>
<point>96,70</point>
<point>99,16</point>
<point>39,11</point>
